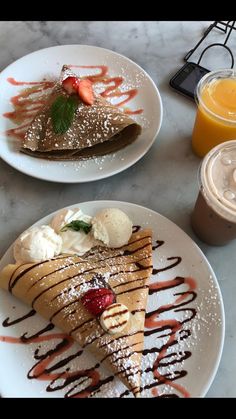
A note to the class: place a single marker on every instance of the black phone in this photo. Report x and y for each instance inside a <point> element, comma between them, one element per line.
<point>186,79</point>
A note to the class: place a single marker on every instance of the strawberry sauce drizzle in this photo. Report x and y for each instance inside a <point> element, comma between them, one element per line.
<point>152,321</point>
<point>26,104</point>
<point>31,99</point>
<point>14,82</point>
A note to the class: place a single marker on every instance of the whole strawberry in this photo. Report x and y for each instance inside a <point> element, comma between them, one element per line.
<point>96,300</point>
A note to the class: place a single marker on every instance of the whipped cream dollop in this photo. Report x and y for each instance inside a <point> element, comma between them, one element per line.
<point>112,226</point>
<point>37,244</point>
<point>73,242</point>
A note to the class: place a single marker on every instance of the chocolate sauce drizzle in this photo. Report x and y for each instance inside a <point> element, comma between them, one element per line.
<point>83,378</point>
<point>177,259</point>
<point>136,228</point>
<point>24,338</point>
<point>159,243</point>
<point>7,323</point>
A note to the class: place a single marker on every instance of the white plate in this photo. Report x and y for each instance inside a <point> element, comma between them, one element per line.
<point>202,336</point>
<point>47,63</point>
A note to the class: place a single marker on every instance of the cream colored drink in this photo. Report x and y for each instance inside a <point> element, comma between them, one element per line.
<point>214,215</point>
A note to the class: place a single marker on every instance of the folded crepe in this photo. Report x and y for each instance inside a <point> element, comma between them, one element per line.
<point>96,130</point>
<point>54,289</point>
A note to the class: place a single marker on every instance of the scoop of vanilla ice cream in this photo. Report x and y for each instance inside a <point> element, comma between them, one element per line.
<point>73,242</point>
<point>37,244</point>
<point>112,226</point>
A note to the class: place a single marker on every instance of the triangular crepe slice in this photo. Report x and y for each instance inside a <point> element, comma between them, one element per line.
<point>54,289</point>
<point>96,130</point>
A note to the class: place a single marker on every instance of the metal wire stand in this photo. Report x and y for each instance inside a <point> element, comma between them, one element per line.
<point>227,28</point>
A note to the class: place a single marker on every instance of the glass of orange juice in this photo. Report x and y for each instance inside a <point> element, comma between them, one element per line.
<point>215,120</point>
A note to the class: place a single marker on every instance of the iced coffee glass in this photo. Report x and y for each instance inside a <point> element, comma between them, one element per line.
<point>216,114</point>
<point>214,215</point>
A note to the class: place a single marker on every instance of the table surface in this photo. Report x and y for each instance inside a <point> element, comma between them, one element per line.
<point>165,179</point>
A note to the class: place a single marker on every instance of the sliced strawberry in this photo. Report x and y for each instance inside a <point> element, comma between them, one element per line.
<point>96,300</point>
<point>71,84</point>
<point>85,91</point>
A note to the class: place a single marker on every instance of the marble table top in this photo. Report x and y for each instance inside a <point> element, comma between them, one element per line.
<point>165,179</point>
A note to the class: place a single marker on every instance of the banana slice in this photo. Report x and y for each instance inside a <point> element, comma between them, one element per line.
<point>115,318</point>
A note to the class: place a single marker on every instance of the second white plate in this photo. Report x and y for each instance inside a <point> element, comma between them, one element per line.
<point>184,331</point>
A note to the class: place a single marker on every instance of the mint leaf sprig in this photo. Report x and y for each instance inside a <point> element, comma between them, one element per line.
<point>62,113</point>
<point>77,225</point>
